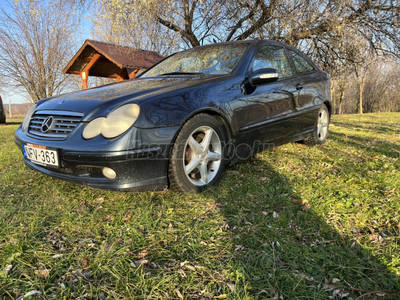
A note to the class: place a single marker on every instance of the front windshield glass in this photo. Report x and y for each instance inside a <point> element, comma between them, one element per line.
<point>214,59</point>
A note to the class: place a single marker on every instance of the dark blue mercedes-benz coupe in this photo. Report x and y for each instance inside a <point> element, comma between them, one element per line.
<point>182,121</point>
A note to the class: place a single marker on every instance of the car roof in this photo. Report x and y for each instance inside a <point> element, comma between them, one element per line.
<point>253,42</point>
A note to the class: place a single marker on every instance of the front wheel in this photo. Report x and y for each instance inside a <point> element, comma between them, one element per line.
<point>321,128</point>
<point>197,159</point>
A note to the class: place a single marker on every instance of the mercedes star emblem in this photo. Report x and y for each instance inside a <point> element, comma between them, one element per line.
<point>47,124</point>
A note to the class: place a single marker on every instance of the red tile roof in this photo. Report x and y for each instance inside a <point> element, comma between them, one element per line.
<point>120,56</point>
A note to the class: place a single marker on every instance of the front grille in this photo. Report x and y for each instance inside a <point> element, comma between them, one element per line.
<point>64,122</point>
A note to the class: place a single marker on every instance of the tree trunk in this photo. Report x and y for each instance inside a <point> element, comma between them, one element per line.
<point>360,100</point>
<point>341,100</point>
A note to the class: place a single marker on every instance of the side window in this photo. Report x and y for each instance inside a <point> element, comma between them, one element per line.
<point>300,63</point>
<point>273,57</point>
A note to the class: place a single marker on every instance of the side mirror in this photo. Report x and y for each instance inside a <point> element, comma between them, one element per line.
<point>263,76</point>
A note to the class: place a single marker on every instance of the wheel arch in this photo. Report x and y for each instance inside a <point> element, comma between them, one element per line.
<point>217,114</point>
<point>329,106</point>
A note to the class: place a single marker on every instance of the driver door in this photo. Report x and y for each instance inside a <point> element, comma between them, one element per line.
<point>271,105</point>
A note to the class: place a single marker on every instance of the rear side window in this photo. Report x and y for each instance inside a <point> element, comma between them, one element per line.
<point>300,63</point>
<point>273,57</point>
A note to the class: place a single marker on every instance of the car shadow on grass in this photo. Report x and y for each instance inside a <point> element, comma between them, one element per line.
<point>286,249</point>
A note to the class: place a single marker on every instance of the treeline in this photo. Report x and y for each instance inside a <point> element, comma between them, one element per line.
<point>375,88</point>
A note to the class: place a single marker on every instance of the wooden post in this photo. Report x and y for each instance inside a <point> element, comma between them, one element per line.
<point>133,73</point>
<point>85,73</point>
<point>9,108</point>
<point>84,78</point>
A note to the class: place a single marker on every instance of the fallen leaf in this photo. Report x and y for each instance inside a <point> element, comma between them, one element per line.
<point>44,273</point>
<point>340,293</point>
<point>182,264</point>
<point>8,268</point>
<point>199,267</point>
<point>222,296</point>
<point>153,265</point>
<point>239,247</point>
<point>334,280</point>
<point>299,201</point>
<point>31,293</point>
<point>376,238</point>
<point>265,179</point>
<point>262,292</point>
<point>182,273</point>
<point>328,287</point>
<point>84,262</point>
<point>275,215</point>
<point>231,287</point>
<point>306,207</point>
<point>171,228</point>
<point>189,267</point>
<point>179,293</point>
<point>142,254</point>
<point>141,261</point>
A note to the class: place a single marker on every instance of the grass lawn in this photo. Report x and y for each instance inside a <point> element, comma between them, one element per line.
<point>297,222</point>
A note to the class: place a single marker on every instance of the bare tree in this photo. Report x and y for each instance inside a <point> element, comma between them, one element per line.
<point>335,34</point>
<point>380,91</point>
<point>35,43</point>
<point>319,23</point>
<point>341,82</point>
<point>119,27</point>
<point>379,87</point>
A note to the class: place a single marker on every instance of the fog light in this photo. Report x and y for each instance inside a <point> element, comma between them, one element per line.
<point>109,173</point>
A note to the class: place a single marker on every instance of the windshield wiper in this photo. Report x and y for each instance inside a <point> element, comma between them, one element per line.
<point>181,73</point>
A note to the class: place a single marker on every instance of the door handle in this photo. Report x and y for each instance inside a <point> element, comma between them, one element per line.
<point>299,86</point>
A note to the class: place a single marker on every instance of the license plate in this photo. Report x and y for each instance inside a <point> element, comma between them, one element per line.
<point>41,155</point>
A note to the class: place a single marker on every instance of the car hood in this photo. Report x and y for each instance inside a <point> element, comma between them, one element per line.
<point>110,96</point>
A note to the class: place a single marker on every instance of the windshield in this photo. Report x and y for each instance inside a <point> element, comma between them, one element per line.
<point>215,59</point>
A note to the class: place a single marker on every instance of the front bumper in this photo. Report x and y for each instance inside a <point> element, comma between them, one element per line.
<point>142,169</point>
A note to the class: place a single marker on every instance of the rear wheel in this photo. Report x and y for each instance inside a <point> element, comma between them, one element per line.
<point>197,159</point>
<point>321,128</point>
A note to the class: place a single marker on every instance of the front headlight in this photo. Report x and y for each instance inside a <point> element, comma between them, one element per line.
<point>115,124</point>
<point>27,118</point>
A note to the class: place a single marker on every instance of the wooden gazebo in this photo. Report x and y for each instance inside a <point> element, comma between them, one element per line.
<point>108,60</point>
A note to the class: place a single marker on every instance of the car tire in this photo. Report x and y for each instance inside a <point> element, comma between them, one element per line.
<point>321,127</point>
<point>198,155</point>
